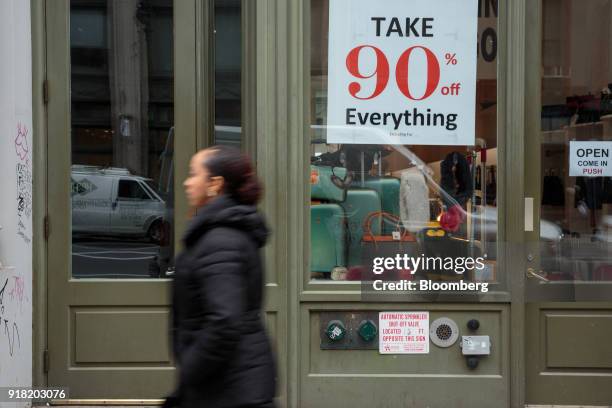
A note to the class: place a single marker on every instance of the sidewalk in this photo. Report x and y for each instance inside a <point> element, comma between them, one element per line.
<point>124,404</point>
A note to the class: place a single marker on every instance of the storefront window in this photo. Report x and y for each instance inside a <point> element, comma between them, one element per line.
<point>228,72</point>
<point>429,200</point>
<point>576,141</point>
<point>122,114</point>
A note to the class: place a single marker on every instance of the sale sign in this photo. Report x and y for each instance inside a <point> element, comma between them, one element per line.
<point>403,332</point>
<point>402,72</point>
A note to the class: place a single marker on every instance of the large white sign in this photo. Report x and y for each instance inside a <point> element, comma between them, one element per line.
<point>402,72</point>
<point>590,159</point>
<point>403,332</point>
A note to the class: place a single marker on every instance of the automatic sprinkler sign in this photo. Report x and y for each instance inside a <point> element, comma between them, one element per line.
<point>402,72</point>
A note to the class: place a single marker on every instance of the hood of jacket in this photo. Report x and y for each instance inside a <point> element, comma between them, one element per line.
<point>226,212</point>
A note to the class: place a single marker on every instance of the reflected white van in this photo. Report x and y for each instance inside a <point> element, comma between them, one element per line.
<point>113,202</point>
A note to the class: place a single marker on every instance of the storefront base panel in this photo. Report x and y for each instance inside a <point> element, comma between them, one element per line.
<point>404,392</point>
<point>352,372</point>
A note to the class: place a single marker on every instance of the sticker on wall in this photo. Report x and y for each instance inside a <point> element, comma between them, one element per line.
<point>590,159</point>
<point>403,332</point>
<point>402,72</point>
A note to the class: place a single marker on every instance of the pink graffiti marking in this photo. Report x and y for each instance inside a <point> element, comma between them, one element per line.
<point>18,290</point>
<point>21,142</point>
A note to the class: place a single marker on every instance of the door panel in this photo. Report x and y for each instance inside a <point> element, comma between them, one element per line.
<point>568,353</point>
<point>108,337</point>
<point>111,114</point>
<point>105,335</point>
<point>578,339</point>
<point>568,284</point>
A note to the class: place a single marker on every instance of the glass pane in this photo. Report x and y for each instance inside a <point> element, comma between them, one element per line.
<point>576,207</point>
<point>438,201</point>
<point>122,113</point>
<point>132,190</point>
<point>228,71</point>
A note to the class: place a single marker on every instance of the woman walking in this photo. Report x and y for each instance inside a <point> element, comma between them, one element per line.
<point>223,354</point>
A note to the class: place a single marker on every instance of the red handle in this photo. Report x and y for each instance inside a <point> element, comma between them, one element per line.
<point>367,223</point>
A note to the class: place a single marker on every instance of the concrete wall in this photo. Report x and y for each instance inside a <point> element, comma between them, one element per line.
<point>15,195</point>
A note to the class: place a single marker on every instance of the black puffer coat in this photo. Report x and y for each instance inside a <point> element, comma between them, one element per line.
<point>223,353</point>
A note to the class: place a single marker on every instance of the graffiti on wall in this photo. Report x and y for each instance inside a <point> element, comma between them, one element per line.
<point>24,182</point>
<point>17,292</point>
<point>12,298</point>
<point>22,148</point>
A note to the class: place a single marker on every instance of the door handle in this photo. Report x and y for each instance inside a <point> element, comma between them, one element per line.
<point>531,273</point>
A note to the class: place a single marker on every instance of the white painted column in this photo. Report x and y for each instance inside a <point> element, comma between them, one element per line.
<point>15,195</point>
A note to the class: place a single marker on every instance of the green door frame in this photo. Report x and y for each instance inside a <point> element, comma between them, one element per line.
<point>515,111</point>
<point>48,85</point>
<point>194,122</point>
<point>57,168</point>
<point>283,73</point>
<point>587,386</point>
<point>39,164</point>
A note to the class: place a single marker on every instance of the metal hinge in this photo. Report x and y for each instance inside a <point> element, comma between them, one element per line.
<point>47,227</point>
<point>46,361</point>
<point>45,91</point>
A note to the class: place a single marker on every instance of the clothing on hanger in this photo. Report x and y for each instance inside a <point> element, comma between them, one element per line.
<point>491,187</point>
<point>456,179</point>
<point>591,191</point>
<point>414,200</point>
<point>553,192</point>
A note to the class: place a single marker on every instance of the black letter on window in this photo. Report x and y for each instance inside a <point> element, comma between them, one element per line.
<point>488,35</point>
<point>427,27</point>
<point>378,21</point>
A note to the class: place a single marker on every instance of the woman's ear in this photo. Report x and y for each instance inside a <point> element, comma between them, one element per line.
<point>216,184</point>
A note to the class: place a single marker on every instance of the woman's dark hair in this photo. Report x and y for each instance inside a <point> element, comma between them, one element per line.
<point>241,182</point>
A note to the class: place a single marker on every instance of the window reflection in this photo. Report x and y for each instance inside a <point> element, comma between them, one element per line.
<point>228,72</point>
<point>122,138</point>
<point>385,200</point>
<point>576,212</point>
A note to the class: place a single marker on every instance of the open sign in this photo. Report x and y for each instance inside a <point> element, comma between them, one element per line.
<point>590,159</point>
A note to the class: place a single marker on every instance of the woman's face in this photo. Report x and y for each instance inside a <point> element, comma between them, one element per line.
<point>200,188</point>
